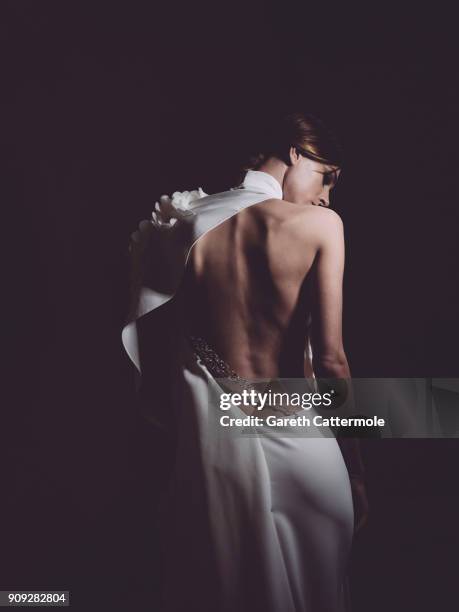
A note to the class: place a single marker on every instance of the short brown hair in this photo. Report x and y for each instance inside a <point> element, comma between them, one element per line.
<point>299,129</point>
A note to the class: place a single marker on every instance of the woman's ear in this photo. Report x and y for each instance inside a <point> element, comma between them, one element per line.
<point>294,156</point>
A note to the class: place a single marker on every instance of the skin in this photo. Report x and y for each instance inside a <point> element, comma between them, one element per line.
<point>285,268</point>
<point>262,297</point>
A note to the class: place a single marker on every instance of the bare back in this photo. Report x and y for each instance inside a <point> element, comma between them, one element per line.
<point>248,291</point>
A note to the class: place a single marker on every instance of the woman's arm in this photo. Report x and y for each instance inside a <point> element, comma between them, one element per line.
<point>329,358</point>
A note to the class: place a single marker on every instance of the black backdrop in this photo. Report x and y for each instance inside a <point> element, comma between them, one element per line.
<point>108,105</point>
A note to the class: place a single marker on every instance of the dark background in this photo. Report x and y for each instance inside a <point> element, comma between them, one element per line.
<point>108,105</point>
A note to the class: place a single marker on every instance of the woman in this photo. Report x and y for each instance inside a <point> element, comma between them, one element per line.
<point>248,285</point>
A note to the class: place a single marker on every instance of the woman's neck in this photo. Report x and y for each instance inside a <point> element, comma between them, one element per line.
<point>275,167</point>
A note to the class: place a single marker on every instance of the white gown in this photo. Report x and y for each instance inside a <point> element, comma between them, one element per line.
<point>248,524</point>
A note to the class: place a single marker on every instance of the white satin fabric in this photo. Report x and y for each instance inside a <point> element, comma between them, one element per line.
<point>248,523</point>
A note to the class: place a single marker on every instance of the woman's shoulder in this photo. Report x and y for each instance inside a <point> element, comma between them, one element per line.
<point>304,224</point>
<point>303,215</point>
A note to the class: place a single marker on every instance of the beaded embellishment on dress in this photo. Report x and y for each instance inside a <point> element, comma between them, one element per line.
<point>217,366</point>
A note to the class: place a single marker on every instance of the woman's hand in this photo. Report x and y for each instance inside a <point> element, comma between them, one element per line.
<point>360,500</point>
